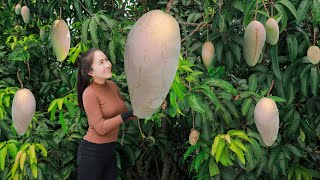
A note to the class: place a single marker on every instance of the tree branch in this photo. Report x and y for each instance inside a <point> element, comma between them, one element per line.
<point>194,31</point>
<point>169,6</point>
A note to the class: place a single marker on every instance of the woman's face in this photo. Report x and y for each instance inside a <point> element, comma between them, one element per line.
<point>101,66</point>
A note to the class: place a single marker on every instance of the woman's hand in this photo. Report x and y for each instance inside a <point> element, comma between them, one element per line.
<point>129,115</point>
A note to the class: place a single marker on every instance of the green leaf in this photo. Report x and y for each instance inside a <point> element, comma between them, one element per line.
<point>250,159</point>
<point>173,104</point>
<point>248,13</point>
<point>239,133</point>
<point>60,103</point>
<point>189,151</point>
<point>238,152</point>
<point>239,144</point>
<point>294,124</point>
<point>178,88</point>
<point>236,51</point>
<point>34,170</point>
<point>62,122</point>
<point>93,31</point>
<point>246,105</point>
<point>277,99</point>
<point>215,145</point>
<point>70,107</point>
<point>1,114</point>
<point>256,147</point>
<point>302,10</point>
<point>32,151</point>
<point>249,117</point>
<point>291,173</point>
<point>290,94</point>
<point>292,46</point>
<point>219,50</point>
<point>282,163</point>
<point>211,95</point>
<point>52,104</point>
<point>316,12</point>
<point>225,115</point>
<point>232,109</point>
<point>22,160</point>
<point>213,168</point>
<point>219,150</point>
<point>294,150</point>
<point>273,156</point>
<point>222,23</point>
<point>225,159</point>
<point>284,15</point>
<point>290,6</point>
<point>43,150</point>
<point>12,148</point>
<point>314,79</point>
<point>275,63</point>
<point>7,101</point>
<point>24,146</point>
<point>84,31</point>
<point>195,103</point>
<point>298,173</point>
<point>112,50</point>
<point>253,83</point>
<point>221,84</point>
<point>75,54</point>
<point>287,77</point>
<point>198,160</point>
<point>3,155</point>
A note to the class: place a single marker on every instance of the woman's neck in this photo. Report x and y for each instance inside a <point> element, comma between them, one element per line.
<point>99,80</point>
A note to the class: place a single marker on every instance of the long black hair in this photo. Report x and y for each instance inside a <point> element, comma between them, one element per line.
<point>85,61</point>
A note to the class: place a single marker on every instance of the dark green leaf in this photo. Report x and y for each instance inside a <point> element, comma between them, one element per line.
<point>195,103</point>
<point>275,63</point>
<point>314,80</point>
<point>290,6</point>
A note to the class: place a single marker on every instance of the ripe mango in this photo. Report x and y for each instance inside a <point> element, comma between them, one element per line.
<point>23,109</point>
<point>272,30</point>
<point>151,60</point>
<point>254,39</point>
<point>266,118</point>
<point>17,9</point>
<point>60,39</point>
<point>313,54</point>
<point>207,53</point>
<point>25,12</point>
<point>193,137</point>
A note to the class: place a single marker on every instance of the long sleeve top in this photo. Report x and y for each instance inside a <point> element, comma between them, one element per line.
<point>103,105</point>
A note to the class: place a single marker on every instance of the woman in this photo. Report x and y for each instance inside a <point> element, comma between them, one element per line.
<point>106,110</point>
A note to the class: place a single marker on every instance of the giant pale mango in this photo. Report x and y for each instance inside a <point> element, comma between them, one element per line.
<point>272,30</point>
<point>254,39</point>
<point>207,53</point>
<point>60,39</point>
<point>25,13</point>
<point>313,54</point>
<point>266,117</point>
<point>23,109</point>
<point>17,9</point>
<point>151,60</point>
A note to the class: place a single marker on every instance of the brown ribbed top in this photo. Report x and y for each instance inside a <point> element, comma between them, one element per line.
<point>103,105</point>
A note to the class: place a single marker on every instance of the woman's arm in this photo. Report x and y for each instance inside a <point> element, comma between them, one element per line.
<point>95,117</point>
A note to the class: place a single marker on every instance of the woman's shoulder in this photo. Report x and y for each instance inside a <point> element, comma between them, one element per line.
<point>89,91</point>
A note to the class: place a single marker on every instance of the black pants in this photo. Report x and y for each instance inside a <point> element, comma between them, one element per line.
<point>96,161</point>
